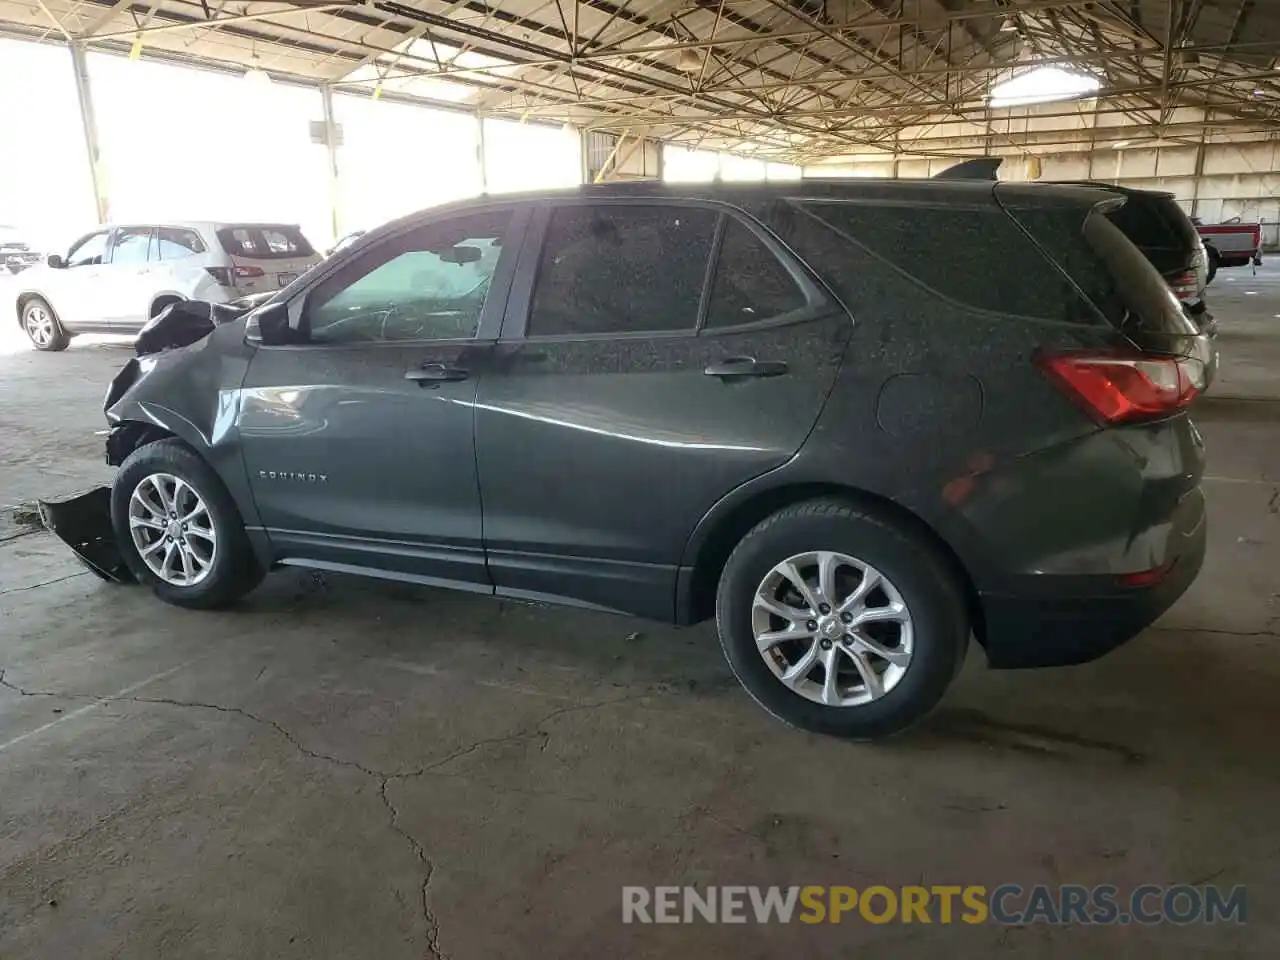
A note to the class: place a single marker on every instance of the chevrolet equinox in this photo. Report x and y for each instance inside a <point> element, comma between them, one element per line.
<point>856,423</point>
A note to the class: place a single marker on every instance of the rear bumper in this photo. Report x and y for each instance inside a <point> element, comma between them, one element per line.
<point>1061,620</point>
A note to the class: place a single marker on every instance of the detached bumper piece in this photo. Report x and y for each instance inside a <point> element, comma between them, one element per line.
<point>83,523</point>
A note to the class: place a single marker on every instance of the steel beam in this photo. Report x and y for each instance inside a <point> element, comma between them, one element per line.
<point>89,125</point>
<point>331,160</point>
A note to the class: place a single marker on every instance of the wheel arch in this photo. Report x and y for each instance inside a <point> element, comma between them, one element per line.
<point>25,297</point>
<point>720,532</point>
<point>136,429</point>
<point>163,299</point>
<point>128,435</point>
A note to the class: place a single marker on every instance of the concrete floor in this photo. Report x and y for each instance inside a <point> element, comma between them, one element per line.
<point>343,768</point>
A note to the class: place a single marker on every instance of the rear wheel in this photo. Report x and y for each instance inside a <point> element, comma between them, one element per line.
<point>42,326</point>
<point>838,621</point>
<point>178,528</point>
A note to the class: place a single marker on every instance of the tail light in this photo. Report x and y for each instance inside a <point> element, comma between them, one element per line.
<point>1185,286</point>
<point>1122,388</point>
<point>227,276</point>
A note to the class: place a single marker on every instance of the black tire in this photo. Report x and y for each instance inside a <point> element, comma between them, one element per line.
<point>1214,263</point>
<point>57,340</point>
<point>935,601</point>
<point>234,571</point>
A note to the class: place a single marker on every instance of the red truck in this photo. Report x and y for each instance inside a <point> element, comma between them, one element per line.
<point>1230,244</point>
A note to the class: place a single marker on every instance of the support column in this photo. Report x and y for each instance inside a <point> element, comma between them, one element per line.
<point>90,126</point>
<point>481,156</point>
<point>1199,168</point>
<point>331,165</point>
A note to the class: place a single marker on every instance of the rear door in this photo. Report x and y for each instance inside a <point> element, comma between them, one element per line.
<point>126,281</point>
<point>266,256</point>
<point>654,356</point>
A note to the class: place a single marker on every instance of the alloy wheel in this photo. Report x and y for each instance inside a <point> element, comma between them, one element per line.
<point>172,529</point>
<point>832,628</point>
<point>39,325</point>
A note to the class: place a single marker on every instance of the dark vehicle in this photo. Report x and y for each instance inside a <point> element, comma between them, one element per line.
<point>765,405</point>
<point>16,256</point>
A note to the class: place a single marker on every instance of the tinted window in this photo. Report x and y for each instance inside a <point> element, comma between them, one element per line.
<point>750,283</point>
<point>88,251</point>
<point>977,256</point>
<point>1149,302</point>
<point>621,269</point>
<point>264,242</point>
<point>1154,221</point>
<point>130,245</point>
<point>429,284</point>
<point>174,243</point>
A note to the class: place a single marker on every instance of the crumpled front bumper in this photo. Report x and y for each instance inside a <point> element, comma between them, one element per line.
<point>83,523</point>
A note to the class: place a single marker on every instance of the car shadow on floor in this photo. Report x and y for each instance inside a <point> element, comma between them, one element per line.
<point>1170,696</point>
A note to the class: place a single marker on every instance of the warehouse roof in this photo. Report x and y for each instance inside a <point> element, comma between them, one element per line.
<point>788,79</point>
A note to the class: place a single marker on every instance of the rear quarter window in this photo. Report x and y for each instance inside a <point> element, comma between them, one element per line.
<point>976,256</point>
<point>1149,222</point>
<point>264,242</point>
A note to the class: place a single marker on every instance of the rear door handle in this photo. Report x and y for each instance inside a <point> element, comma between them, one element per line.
<point>436,373</point>
<point>733,367</point>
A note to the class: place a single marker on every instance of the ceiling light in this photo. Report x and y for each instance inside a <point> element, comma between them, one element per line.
<point>689,61</point>
<point>1042,85</point>
<point>1010,25</point>
<point>255,76</point>
<point>1120,144</point>
<point>1258,91</point>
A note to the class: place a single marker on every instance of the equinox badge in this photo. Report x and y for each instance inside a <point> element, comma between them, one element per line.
<point>291,475</point>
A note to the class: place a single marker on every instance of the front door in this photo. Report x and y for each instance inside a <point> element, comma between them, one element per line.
<point>77,294</point>
<point>359,441</point>
<point>655,356</point>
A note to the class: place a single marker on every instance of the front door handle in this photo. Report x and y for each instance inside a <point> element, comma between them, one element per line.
<point>436,373</point>
<point>734,367</point>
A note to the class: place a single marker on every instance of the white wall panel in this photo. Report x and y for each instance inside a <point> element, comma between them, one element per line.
<point>179,143</point>
<point>46,191</point>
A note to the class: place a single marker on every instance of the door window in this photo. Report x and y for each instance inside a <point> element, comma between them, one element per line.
<point>614,269</point>
<point>429,284</point>
<point>175,243</point>
<point>129,245</point>
<point>750,283</point>
<point>88,251</point>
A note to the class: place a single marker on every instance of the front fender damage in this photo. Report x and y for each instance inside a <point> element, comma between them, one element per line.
<point>83,522</point>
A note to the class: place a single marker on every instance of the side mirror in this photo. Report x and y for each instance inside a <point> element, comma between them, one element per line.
<point>55,261</point>
<point>273,325</point>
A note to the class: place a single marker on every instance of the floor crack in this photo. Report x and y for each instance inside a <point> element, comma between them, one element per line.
<point>1227,633</point>
<point>429,871</point>
<point>384,778</point>
<point>45,583</point>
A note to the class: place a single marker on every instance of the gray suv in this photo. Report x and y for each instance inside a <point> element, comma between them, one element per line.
<point>856,423</point>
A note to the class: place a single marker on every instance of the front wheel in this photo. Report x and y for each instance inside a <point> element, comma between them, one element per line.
<point>1214,263</point>
<point>179,530</point>
<point>838,621</point>
<point>43,327</point>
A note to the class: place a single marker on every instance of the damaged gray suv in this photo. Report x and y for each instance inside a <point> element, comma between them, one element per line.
<point>856,423</point>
